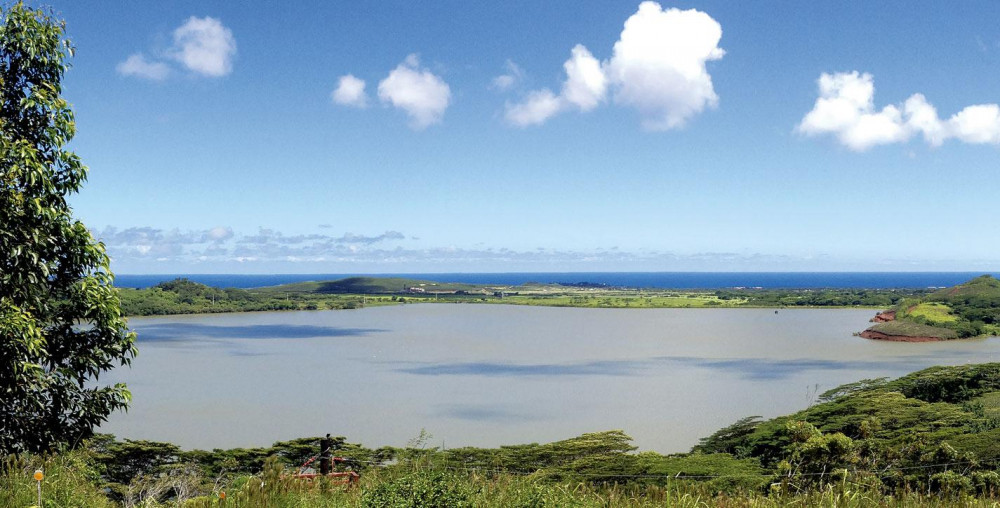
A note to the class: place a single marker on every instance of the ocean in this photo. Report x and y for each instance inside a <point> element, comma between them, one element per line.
<point>672,280</point>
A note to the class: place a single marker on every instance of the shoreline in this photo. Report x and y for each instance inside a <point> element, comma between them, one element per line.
<point>517,303</point>
<point>873,335</point>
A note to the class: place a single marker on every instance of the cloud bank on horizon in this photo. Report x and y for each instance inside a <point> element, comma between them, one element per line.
<point>845,109</point>
<point>155,250</point>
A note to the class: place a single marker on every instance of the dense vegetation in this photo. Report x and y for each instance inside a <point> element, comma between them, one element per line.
<point>821,297</point>
<point>182,296</point>
<point>931,437</point>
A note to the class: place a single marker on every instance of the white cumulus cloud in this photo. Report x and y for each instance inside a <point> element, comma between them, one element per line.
<point>658,67</point>
<point>137,65</point>
<point>585,83</point>
<point>846,110</point>
<point>538,107</point>
<point>423,95</point>
<point>201,45</point>
<point>204,46</point>
<point>350,92</point>
<point>977,124</point>
<point>584,88</point>
<point>923,117</point>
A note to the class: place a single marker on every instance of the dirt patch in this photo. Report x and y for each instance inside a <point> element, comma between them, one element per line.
<point>870,334</point>
<point>884,317</point>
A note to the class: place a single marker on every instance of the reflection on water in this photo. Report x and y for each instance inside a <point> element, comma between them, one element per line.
<point>606,368</point>
<point>747,368</point>
<point>486,375</point>
<point>186,331</point>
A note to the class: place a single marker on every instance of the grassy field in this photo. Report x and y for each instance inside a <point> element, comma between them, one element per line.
<point>68,483</point>
<point>933,312</point>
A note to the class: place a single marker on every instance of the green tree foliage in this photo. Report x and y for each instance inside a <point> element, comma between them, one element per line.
<point>814,455</point>
<point>60,323</point>
<point>182,296</point>
<point>728,439</point>
<point>819,297</point>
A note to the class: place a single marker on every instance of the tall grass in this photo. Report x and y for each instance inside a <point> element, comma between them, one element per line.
<point>71,482</point>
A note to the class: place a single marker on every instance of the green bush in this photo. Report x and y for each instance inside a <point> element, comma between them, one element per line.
<point>986,483</point>
<point>421,489</point>
<point>950,483</point>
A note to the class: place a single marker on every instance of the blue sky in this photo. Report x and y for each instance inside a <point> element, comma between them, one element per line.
<point>223,137</point>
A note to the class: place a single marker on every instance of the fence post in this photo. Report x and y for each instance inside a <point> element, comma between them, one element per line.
<point>324,455</point>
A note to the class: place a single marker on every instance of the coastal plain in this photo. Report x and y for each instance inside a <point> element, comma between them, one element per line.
<point>182,296</point>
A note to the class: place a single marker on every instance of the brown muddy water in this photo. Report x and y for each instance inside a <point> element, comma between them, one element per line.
<point>486,375</point>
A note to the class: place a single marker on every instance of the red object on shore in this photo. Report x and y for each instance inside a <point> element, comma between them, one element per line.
<point>344,476</point>
<point>347,476</point>
<point>884,317</point>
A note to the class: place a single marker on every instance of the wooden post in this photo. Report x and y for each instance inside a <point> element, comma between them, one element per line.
<point>324,455</point>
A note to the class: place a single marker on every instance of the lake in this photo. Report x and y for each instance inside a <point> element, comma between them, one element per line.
<point>485,375</point>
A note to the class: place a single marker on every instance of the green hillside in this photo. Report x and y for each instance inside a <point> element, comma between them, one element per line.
<point>182,296</point>
<point>903,432</point>
<point>984,286</point>
<point>969,309</point>
<point>370,286</point>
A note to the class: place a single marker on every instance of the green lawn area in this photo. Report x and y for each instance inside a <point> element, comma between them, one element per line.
<point>934,312</point>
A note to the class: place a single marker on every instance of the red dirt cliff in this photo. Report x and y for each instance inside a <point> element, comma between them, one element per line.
<point>884,317</point>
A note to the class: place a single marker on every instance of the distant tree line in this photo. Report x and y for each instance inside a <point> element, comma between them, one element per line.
<point>820,297</point>
<point>182,296</point>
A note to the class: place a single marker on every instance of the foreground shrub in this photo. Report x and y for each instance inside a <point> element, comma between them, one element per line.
<point>430,489</point>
